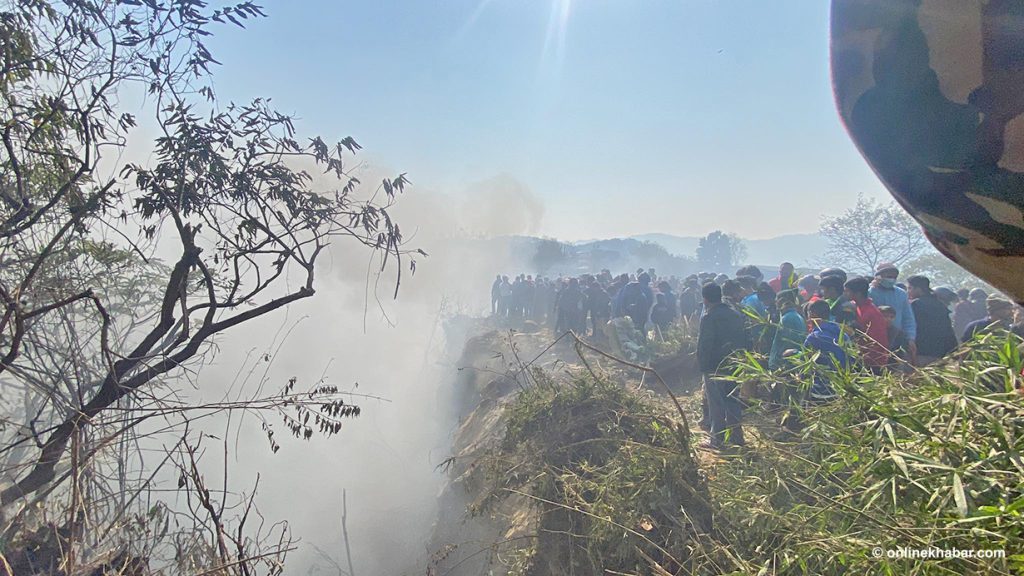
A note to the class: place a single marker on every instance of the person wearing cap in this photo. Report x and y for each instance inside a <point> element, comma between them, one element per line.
<point>831,290</point>
<point>837,272</point>
<point>935,337</point>
<point>885,292</point>
<point>999,319</point>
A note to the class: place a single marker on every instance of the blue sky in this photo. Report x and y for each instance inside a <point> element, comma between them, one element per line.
<point>621,116</point>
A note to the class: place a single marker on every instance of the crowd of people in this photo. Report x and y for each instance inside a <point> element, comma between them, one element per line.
<point>893,325</point>
<point>586,303</point>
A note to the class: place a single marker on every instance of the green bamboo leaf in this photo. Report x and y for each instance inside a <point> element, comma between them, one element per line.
<point>959,495</point>
<point>887,428</point>
<point>1016,505</point>
<point>900,462</point>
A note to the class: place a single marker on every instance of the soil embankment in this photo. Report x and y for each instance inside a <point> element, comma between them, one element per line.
<point>544,422</point>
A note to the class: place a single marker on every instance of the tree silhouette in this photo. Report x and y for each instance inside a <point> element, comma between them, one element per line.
<point>871,233</point>
<point>719,252</point>
<point>550,253</point>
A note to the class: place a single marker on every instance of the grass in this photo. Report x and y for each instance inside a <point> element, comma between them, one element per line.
<point>612,478</point>
<point>929,459</point>
<point>920,460</point>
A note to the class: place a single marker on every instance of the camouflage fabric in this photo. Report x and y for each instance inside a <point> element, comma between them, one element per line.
<point>932,92</point>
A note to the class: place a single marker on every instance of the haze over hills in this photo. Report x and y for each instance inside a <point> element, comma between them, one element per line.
<point>800,249</point>
<point>666,253</point>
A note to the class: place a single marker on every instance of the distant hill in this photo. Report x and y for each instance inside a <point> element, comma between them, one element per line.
<point>547,256</point>
<point>803,250</point>
<point>668,254</point>
<point>678,245</point>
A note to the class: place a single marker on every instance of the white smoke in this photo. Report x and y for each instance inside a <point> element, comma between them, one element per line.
<point>352,332</point>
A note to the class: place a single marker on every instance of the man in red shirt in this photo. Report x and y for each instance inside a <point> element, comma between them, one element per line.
<point>874,347</point>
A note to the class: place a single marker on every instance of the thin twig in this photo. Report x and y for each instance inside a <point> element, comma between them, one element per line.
<point>344,532</point>
<point>646,369</point>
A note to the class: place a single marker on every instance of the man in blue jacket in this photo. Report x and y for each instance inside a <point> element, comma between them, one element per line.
<point>885,292</point>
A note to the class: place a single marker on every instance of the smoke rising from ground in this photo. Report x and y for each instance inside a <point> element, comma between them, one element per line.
<point>352,332</point>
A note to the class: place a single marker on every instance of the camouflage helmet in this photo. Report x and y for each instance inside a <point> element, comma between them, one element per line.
<point>931,94</point>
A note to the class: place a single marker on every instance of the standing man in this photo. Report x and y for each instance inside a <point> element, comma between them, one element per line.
<point>999,318</point>
<point>495,294</point>
<point>875,343</point>
<point>792,329</point>
<point>979,301</point>
<point>570,308</point>
<point>721,333</point>
<point>529,290</point>
<point>761,330</point>
<point>808,287</point>
<point>516,307</point>
<point>636,300</point>
<point>970,308</point>
<point>732,294</point>
<point>689,299</point>
<point>539,298</point>
<point>826,337</point>
<point>504,298</point>
<point>831,289</point>
<point>599,305</point>
<point>671,300</point>
<point>786,280</point>
<point>759,299</point>
<point>935,337</point>
<point>885,292</point>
